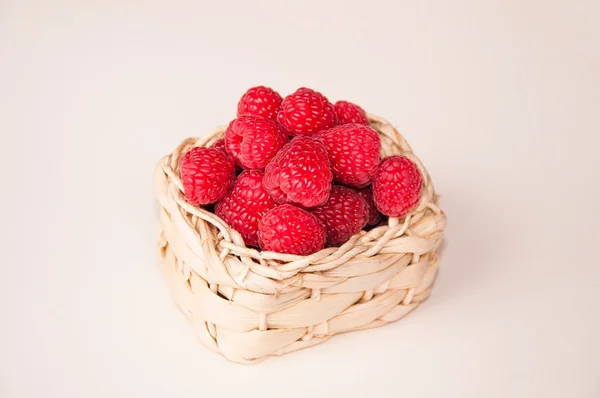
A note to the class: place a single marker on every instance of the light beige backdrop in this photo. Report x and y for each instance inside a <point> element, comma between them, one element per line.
<point>500,99</point>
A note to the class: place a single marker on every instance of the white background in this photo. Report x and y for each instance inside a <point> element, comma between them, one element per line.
<point>500,99</point>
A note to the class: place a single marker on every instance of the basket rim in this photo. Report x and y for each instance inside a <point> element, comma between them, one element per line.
<point>229,241</point>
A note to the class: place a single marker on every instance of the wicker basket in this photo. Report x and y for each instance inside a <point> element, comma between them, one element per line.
<point>248,304</point>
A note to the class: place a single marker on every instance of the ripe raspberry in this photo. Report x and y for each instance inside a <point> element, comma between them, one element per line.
<point>289,229</point>
<point>374,214</point>
<point>245,204</point>
<point>397,186</point>
<point>347,112</point>
<point>300,173</point>
<point>220,145</point>
<point>344,215</point>
<point>252,141</point>
<point>206,174</point>
<point>306,112</point>
<point>353,151</point>
<point>260,101</point>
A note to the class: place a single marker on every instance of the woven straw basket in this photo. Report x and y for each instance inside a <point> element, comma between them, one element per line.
<point>249,304</point>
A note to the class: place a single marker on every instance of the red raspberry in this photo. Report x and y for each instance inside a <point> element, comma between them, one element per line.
<point>347,112</point>
<point>300,173</point>
<point>374,214</point>
<point>220,145</point>
<point>306,112</point>
<point>397,186</point>
<point>260,101</point>
<point>344,215</point>
<point>252,141</point>
<point>245,204</point>
<point>354,153</point>
<point>206,175</point>
<point>289,229</point>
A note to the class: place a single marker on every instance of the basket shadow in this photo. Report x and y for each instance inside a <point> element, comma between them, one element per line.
<point>470,242</point>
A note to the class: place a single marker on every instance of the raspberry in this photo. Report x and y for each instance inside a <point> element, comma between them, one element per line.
<point>206,175</point>
<point>290,229</point>
<point>397,186</point>
<point>220,145</point>
<point>260,101</point>
<point>306,112</point>
<point>374,214</point>
<point>245,204</point>
<point>353,151</point>
<point>344,215</point>
<point>252,141</point>
<point>347,112</point>
<point>300,173</point>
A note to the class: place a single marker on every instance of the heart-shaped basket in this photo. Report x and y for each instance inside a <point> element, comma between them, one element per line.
<point>249,304</point>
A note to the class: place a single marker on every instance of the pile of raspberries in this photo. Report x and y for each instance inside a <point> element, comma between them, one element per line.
<point>294,174</point>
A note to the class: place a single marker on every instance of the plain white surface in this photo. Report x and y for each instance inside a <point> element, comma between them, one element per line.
<point>500,99</point>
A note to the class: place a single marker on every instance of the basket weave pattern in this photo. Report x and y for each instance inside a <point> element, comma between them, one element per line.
<point>249,304</point>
